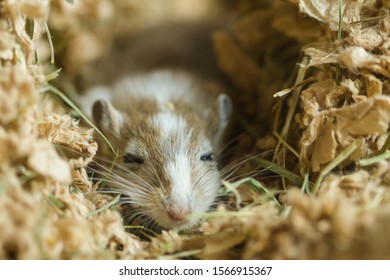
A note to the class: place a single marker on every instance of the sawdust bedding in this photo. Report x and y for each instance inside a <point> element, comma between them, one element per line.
<point>314,84</point>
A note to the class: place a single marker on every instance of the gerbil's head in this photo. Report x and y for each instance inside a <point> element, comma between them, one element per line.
<point>167,170</point>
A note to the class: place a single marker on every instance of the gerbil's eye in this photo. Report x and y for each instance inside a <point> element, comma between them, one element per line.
<point>207,157</point>
<point>132,159</point>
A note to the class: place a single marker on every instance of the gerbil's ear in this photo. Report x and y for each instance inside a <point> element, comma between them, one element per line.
<point>220,116</point>
<point>107,118</point>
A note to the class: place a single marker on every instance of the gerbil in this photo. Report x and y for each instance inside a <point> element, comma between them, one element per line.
<point>162,116</point>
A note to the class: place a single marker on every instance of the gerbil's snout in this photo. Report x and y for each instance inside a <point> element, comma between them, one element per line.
<point>178,214</point>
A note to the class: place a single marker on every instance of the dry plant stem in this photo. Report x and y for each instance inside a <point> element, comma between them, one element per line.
<point>288,146</point>
<point>369,19</point>
<point>339,34</point>
<point>288,90</point>
<point>293,101</point>
<point>334,163</point>
<point>284,184</point>
<point>290,114</point>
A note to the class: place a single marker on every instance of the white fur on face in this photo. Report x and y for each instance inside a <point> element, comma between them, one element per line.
<point>175,144</point>
<point>193,184</point>
<point>181,184</point>
<point>170,125</point>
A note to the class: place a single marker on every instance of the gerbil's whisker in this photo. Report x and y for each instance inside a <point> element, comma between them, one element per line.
<point>234,166</point>
<point>202,177</point>
<point>156,175</point>
<point>224,150</point>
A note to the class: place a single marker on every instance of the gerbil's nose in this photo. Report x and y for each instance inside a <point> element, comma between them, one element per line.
<point>178,214</point>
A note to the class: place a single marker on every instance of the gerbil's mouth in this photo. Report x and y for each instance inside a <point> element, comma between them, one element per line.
<point>163,219</point>
<point>184,223</point>
<point>178,215</point>
<point>169,223</point>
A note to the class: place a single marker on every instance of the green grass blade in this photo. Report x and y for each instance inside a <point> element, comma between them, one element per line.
<point>148,233</point>
<point>375,159</point>
<point>283,172</point>
<point>340,26</point>
<point>52,58</point>
<point>51,76</point>
<point>386,146</point>
<point>179,255</point>
<point>254,185</point>
<point>305,184</point>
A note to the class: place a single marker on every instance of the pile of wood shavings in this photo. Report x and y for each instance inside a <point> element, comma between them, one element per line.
<point>45,211</point>
<point>49,208</point>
